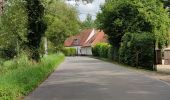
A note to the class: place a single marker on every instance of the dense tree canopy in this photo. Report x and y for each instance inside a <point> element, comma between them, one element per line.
<point>132,26</point>
<point>36,27</point>
<point>13,26</point>
<point>25,22</point>
<point>62,22</point>
<point>88,22</point>
<point>120,16</point>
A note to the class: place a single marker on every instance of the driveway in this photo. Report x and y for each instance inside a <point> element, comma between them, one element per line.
<point>83,78</point>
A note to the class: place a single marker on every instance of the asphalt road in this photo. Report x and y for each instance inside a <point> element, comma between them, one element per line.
<point>83,78</point>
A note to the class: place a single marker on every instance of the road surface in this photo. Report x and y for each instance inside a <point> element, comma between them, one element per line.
<point>84,78</point>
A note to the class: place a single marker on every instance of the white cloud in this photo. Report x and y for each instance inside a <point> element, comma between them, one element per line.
<point>85,9</point>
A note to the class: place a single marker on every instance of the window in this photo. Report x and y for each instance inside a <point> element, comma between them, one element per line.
<point>76,42</point>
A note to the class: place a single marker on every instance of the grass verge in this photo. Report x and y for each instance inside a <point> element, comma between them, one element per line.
<point>123,65</point>
<point>19,77</point>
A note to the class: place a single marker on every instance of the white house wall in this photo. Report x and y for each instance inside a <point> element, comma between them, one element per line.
<point>86,51</point>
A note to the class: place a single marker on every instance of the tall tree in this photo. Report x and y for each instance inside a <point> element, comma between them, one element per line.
<point>88,23</point>
<point>13,26</point>
<point>62,22</point>
<point>118,17</point>
<point>36,27</point>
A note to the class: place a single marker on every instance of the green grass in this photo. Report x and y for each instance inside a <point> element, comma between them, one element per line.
<point>123,65</point>
<point>19,77</point>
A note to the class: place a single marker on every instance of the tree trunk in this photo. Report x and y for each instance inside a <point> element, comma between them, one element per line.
<point>45,46</point>
<point>137,59</point>
<point>18,48</point>
<point>36,27</point>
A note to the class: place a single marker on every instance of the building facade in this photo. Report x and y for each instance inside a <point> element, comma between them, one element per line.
<point>85,40</point>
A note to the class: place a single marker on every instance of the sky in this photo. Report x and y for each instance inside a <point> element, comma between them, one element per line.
<point>84,9</point>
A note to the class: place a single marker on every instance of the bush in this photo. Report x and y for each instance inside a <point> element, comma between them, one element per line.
<point>69,51</point>
<point>18,81</point>
<point>8,52</point>
<point>95,50</point>
<point>101,50</point>
<point>137,49</point>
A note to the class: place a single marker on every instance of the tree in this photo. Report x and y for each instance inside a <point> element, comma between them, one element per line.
<point>133,50</point>
<point>36,27</point>
<point>62,22</point>
<point>88,23</point>
<point>13,26</point>
<point>118,17</point>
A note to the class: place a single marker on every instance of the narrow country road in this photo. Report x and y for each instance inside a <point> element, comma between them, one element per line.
<point>83,78</point>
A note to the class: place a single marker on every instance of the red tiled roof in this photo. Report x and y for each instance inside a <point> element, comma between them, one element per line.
<point>99,36</point>
<point>82,37</point>
<point>68,42</point>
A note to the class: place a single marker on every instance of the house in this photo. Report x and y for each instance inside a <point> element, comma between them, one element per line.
<point>98,37</point>
<point>85,40</point>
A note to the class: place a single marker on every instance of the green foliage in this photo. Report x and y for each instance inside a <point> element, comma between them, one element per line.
<point>69,51</point>
<point>95,50</point>
<point>118,17</point>
<point>25,22</point>
<point>8,52</point>
<point>111,53</point>
<point>36,27</point>
<point>137,49</point>
<point>101,50</point>
<point>13,23</point>
<point>137,25</point>
<point>62,22</point>
<point>20,76</point>
<point>88,23</point>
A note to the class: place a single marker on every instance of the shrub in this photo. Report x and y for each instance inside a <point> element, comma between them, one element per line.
<point>101,50</point>
<point>96,49</point>
<point>69,51</point>
<point>20,80</point>
<point>104,49</point>
<point>8,52</point>
<point>111,53</point>
<point>137,49</point>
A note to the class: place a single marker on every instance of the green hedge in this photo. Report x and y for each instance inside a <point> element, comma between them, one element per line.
<point>69,51</point>
<point>20,76</point>
<point>137,50</point>
<point>101,50</point>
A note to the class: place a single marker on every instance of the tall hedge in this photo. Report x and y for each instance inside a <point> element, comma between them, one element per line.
<point>137,49</point>
<point>101,50</point>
